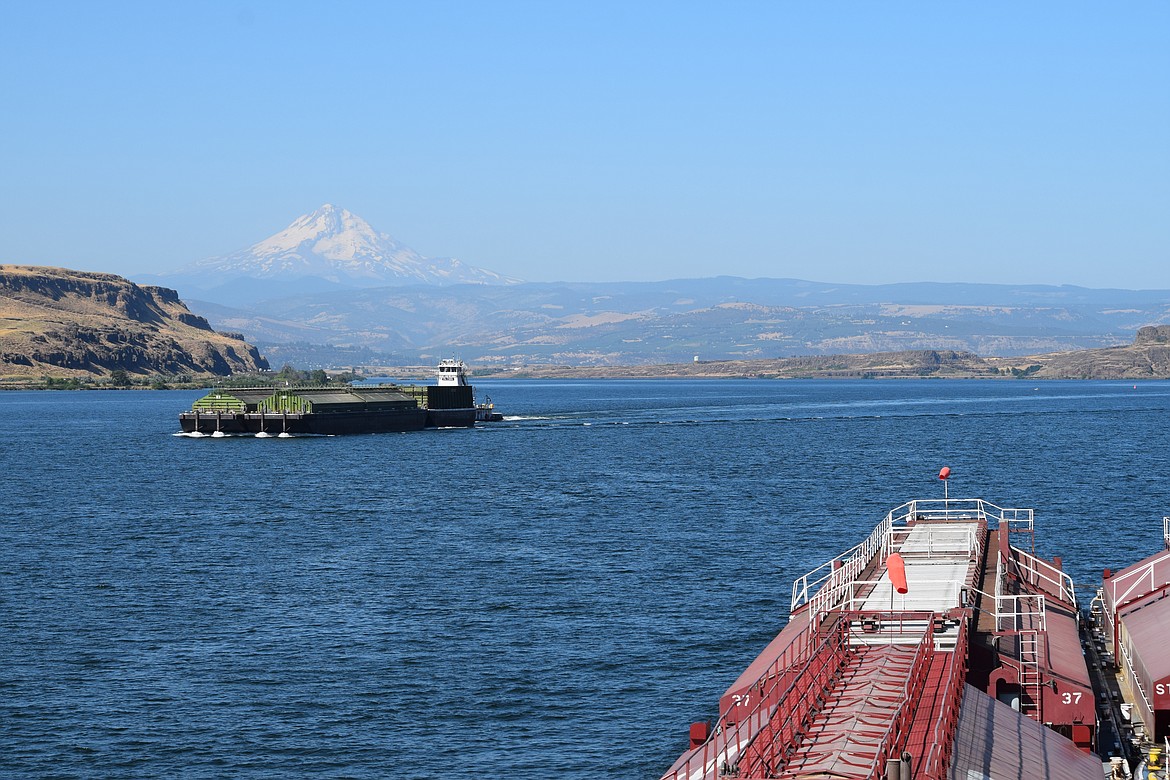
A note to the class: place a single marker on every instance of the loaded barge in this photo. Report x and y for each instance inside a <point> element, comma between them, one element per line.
<point>942,646</point>
<point>325,410</point>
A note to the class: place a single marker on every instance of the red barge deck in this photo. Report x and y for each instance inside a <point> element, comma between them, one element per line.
<point>939,647</point>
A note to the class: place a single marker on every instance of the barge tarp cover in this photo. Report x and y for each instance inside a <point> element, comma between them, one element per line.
<point>1143,590</point>
<point>1148,629</point>
<point>994,742</point>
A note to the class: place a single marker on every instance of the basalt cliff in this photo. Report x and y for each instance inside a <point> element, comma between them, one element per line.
<point>62,323</point>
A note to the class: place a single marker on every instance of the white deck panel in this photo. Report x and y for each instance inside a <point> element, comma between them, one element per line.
<point>938,559</point>
<point>933,586</point>
<point>939,540</point>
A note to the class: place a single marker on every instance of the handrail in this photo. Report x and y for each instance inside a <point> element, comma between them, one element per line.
<point>965,508</point>
<point>1040,610</point>
<point>1021,599</point>
<point>1001,597</point>
<point>938,760</point>
<point>935,534</point>
<point>1137,680</point>
<point>852,562</point>
<point>795,708</point>
<point>850,601</point>
<point>734,731</point>
<point>1166,530</point>
<point>775,744</point>
<point>757,742</point>
<point>1038,568</point>
<point>826,581</point>
<point>998,581</point>
<point>1138,575</point>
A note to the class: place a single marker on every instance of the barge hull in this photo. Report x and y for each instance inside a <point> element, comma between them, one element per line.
<point>336,424</point>
<point>450,418</point>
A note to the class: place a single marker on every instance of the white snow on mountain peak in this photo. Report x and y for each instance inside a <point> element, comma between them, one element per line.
<point>339,246</point>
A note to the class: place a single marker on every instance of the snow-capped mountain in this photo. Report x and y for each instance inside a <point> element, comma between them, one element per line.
<point>340,247</point>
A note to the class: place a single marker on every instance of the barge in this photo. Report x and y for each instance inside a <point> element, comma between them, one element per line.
<point>1132,617</point>
<point>330,411</point>
<point>942,646</point>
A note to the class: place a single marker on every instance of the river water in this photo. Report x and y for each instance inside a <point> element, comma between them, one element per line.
<point>556,595</point>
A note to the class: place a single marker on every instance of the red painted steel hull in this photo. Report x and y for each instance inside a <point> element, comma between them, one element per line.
<point>870,671</point>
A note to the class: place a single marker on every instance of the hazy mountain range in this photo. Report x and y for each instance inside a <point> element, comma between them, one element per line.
<point>79,325</point>
<point>332,289</point>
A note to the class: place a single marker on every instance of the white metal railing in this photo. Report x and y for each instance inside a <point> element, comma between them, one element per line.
<point>1166,530</point>
<point>825,586</point>
<point>1016,520</point>
<point>998,576</point>
<point>1135,678</point>
<point>947,597</point>
<point>935,541</point>
<point>1138,576</point>
<point>965,509</point>
<point>1019,609</point>
<point>826,580</point>
<point>1027,612</point>
<point>1038,569</point>
<point>1017,614</point>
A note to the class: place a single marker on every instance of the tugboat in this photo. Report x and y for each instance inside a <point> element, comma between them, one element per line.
<point>486,412</point>
<point>452,373</point>
<point>939,647</point>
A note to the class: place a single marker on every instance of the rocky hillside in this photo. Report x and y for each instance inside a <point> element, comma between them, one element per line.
<point>1148,357</point>
<point>62,323</point>
<point>905,364</point>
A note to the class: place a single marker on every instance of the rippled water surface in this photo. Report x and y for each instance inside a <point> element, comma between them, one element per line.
<point>557,595</point>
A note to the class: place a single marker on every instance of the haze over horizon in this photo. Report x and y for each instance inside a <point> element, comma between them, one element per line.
<point>850,143</point>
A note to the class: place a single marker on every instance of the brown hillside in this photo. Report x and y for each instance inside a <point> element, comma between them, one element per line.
<point>1147,358</point>
<point>62,323</point>
<point>907,363</point>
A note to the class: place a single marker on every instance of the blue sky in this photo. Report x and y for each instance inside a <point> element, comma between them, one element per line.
<point>599,141</point>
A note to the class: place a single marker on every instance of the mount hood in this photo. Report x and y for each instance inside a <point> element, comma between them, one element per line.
<point>336,248</point>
